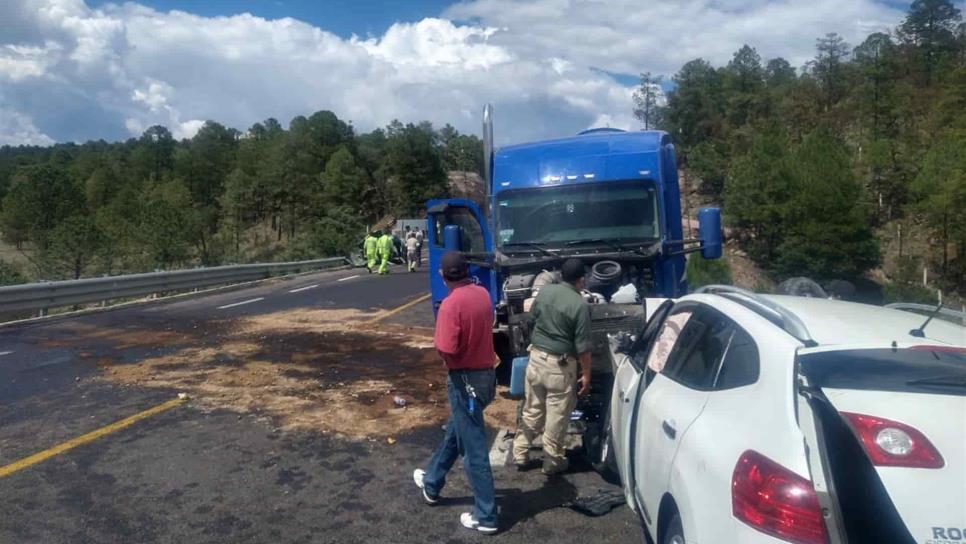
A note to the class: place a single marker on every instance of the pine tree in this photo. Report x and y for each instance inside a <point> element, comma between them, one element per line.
<point>648,98</point>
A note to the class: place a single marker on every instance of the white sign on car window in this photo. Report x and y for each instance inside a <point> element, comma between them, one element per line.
<point>670,331</point>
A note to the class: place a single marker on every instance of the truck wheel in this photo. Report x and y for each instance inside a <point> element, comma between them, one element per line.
<point>675,532</point>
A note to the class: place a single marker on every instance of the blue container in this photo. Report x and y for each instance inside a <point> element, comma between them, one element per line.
<point>518,376</point>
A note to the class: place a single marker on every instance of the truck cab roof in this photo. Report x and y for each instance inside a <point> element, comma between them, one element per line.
<point>592,156</point>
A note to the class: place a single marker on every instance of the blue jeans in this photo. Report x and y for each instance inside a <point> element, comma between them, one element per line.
<point>466,436</point>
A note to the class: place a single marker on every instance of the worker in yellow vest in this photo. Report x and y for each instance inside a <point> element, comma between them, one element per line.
<point>384,248</point>
<point>372,254</point>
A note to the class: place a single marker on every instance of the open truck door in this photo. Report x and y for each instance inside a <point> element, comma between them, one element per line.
<point>459,225</point>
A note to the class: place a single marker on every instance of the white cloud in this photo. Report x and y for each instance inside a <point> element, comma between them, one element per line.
<point>73,72</point>
<point>18,62</point>
<point>187,129</point>
<point>17,129</point>
<point>630,36</point>
<point>437,43</point>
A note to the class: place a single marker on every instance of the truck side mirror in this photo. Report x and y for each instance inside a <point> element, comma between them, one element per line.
<point>709,227</point>
<point>451,238</point>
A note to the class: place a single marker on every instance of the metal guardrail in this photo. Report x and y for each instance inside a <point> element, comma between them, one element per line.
<point>45,295</point>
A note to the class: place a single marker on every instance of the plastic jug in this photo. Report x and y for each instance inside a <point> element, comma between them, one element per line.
<point>518,376</point>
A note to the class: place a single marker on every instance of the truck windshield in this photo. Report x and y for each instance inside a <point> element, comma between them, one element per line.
<point>621,211</point>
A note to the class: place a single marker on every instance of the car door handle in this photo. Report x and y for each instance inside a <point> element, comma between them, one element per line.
<point>623,397</point>
<point>669,429</point>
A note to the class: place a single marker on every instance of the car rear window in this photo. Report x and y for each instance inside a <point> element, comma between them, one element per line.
<point>938,370</point>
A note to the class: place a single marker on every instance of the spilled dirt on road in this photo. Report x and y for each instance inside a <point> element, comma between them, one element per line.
<point>332,371</point>
<point>71,333</point>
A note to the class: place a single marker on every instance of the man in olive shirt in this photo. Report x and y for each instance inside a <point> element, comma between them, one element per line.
<point>561,336</point>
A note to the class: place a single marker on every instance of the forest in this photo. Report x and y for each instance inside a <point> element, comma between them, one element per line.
<point>850,166</point>
<point>223,196</point>
<point>854,162</point>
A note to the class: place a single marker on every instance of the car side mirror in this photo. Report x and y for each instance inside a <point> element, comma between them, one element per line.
<point>709,227</point>
<point>451,238</point>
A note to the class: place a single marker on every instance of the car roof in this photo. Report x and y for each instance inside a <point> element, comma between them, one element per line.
<point>840,322</point>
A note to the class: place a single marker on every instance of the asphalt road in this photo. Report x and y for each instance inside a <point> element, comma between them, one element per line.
<point>189,474</point>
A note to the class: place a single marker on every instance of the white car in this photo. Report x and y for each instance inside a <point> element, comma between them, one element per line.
<point>744,418</point>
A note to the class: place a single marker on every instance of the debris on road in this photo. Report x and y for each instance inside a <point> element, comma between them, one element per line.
<point>390,440</point>
<point>315,370</point>
<point>183,396</point>
<point>599,503</point>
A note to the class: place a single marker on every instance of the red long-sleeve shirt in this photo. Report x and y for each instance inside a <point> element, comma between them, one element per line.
<point>464,328</point>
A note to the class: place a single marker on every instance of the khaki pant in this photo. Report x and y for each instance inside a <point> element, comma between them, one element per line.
<point>550,399</point>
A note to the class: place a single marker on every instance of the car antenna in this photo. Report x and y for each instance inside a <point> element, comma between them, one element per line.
<point>921,331</point>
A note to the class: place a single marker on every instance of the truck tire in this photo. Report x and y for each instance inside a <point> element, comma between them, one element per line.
<point>599,448</point>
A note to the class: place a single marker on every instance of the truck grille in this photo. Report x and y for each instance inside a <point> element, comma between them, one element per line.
<point>614,318</point>
<point>631,324</point>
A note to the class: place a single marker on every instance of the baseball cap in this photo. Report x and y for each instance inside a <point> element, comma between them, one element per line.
<point>572,270</point>
<point>453,266</point>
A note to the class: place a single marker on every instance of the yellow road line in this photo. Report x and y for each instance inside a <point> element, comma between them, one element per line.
<point>395,311</point>
<point>83,439</point>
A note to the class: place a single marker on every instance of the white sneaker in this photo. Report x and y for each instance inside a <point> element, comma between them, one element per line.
<point>418,476</point>
<point>467,520</point>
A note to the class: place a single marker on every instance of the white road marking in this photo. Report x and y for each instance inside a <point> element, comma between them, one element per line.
<point>2,353</point>
<point>349,278</point>
<point>226,306</point>
<point>306,288</point>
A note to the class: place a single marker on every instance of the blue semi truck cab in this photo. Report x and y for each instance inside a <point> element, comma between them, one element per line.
<point>606,196</point>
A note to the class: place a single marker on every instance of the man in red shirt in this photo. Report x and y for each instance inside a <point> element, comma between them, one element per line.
<point>464,339</point>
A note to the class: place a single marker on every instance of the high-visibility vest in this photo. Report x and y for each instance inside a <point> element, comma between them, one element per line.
<point>371,244</point>
<point>385,245</point>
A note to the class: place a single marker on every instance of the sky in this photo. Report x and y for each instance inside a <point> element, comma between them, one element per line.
<point>76,70</point>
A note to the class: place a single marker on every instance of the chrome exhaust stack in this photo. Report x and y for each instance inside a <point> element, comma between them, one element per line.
<point>487,158</point>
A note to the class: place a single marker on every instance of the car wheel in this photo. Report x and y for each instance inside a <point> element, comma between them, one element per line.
<point>603,458</point>
<point>674,534</point>
<point>606,463</point>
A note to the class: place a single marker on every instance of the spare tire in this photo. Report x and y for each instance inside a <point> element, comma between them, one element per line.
<point>605,277</point>
<point>801,287</point>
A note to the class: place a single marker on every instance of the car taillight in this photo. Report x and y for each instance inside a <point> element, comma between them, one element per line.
<point>892,444</point>
<point>776,501</point>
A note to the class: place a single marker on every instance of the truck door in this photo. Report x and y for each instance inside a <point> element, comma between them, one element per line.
<point>628,379</point>
<point>459,223</point>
